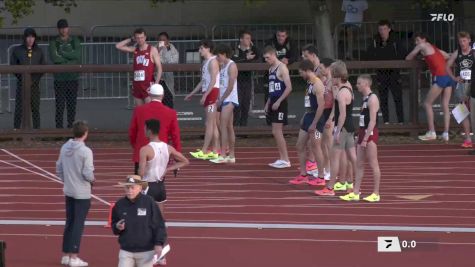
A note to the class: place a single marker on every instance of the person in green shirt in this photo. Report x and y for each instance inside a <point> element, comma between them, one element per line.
<point>64,50</point>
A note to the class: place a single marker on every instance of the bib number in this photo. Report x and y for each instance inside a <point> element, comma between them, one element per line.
<point>466,74</point>
<point>271,87</point>
<point>307,101</point>
<point>361,120</point>
<point>139,75</point>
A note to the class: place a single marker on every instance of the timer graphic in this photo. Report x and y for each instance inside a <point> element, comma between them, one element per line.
<point>393,244</point>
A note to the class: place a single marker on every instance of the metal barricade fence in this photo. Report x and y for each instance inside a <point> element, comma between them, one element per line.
<point>352,41</point>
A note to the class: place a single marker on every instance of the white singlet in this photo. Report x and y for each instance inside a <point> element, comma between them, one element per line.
<point>206,77</point>
<point>224,80</point>
<point>155,168</point>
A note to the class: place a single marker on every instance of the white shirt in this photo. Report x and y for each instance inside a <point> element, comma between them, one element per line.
<point>354,10</point>
<point>224,76</point>
<point>206,77</point>
<point>155,168</point>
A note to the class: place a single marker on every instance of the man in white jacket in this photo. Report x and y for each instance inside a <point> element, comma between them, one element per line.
<point>76,169</point>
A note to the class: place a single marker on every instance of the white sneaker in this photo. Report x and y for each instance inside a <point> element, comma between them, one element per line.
<point>228,159</point>
<point>445,136</point>
<point>219,160</point>
<point>77,262</point>
<point>280,164</point>
<point>326,175</point>
<point>65,260</point>
<point>428,136</point>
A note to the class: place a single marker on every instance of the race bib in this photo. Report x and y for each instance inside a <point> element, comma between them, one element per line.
<point>361,120</point>
<point>277,86</point>
<point>466,74</point>
<point>307,101</point>
<point>271,87</point>
<point>139,75</point>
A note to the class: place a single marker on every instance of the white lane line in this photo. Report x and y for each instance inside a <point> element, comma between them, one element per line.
<point>270,226</point>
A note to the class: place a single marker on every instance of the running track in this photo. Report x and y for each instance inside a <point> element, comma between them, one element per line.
<point>247,215</point>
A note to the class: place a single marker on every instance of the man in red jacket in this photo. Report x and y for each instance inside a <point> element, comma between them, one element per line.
<point>153,110</point>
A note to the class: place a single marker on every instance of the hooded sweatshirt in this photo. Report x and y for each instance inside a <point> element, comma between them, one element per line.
<point>75,168</point>
<point>21,55</point>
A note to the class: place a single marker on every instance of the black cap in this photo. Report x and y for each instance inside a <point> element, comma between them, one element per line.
<point>62,23</point>
<point>29,32</point>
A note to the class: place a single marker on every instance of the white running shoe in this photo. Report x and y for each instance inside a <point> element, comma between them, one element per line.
<point>77,262</point>
<point>445,136</point>
<point>228,159</point>
<point>280,164</point>
<point>428,136</point>
<point>326,175</point>
<point>65,260</point>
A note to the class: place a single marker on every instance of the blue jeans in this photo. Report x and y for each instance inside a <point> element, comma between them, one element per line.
<point>76,212</point>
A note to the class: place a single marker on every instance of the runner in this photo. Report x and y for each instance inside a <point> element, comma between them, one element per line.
<point>146,60</point>
<point>276,105</point>
<point>367,147</point>
<point>312,124</point>
<point>209,86</point>
<point>463,59</point>
<point>344,129</point>
<point>442,83</point>
<point>228,100</point>
<point>153,163</point>
<point>310,52</point>
<point>324,74</point>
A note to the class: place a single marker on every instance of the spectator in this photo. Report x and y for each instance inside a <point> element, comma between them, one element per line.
<point>168,55</point>
<point>65,50</point>
<point>387,46</point>
<point>28,53</point>
<point>245,52</point>
<point>76,169</point>
<point>353,17</point>
<point>169,128</point>
<point>139,224</point>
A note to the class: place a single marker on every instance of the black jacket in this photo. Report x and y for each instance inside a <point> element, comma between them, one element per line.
<point>21,56</point>
<point>144,224</point>
<point>392,49</point>
<point>288,50</point>
<point>240,56</point>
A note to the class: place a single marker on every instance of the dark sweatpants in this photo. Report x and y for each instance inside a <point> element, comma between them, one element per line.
<point>76,212</point>
<point>66,94</point>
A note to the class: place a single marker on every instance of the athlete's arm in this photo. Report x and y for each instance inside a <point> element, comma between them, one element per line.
<point>373,106</point>
<point>283,74</point>
<point>449,65</point>
<point>197,88</point>
<point>156,61</point>
<point>318,89</point>
<point>414,52</point>
<point>233,73</point>
<point>123,46</point>
<point>144,155</point>
<point>180,160</point>
<point>445,54</point>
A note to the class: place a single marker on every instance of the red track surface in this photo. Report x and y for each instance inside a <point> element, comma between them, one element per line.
<point>251,192</point>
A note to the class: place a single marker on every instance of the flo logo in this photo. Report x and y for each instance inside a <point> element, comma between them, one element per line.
<point>442,17</point>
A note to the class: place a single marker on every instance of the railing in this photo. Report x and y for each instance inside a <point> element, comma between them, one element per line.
<point>101,113</point>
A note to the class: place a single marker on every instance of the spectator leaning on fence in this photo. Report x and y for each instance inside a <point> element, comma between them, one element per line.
<point>463,59</point>
<point>387,46</point>
<point>28,53</point>
<point>76,169</point>
<point>245,52</point>
<point>146,61</point>
<point>65,50</point>
<point>168,55</point>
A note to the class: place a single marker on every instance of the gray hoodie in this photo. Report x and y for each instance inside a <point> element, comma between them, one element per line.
<point>75,168</point>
